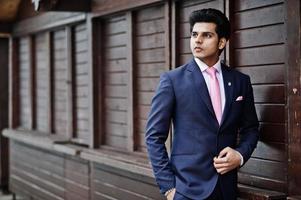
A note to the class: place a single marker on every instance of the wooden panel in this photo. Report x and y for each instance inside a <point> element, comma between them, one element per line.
<point>60,82</point>
<point>122,185</point>
<point>36,172</point>
<point>41,87</point>
<point>77,179</point>
<point>259,50</point>
<point>241,5</point>
<point>81,84</point>
<point>116,81</point>
<point>150,61</point>
<point>105,6</point>
<point>24,78</point>
<point>293,96</point>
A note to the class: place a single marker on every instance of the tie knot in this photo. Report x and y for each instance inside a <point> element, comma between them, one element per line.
<point>211,71</point>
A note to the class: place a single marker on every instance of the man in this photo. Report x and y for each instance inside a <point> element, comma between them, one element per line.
<point>209,104</point>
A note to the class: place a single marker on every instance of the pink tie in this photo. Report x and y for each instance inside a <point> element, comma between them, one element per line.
<point>215,94</point>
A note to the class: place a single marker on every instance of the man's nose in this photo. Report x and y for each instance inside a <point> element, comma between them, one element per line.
<point>199,39</point>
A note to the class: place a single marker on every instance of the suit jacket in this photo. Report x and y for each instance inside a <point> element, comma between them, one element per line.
<point>183,98</point>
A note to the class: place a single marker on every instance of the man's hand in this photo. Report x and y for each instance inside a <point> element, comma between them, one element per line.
<point>227,160</point>
<point>171,194</point>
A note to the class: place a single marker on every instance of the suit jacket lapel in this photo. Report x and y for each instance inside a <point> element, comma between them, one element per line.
<point>200,85</point>
<point>229,89</point>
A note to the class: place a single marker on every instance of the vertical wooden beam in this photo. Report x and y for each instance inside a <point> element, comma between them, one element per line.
<point>32,81</point>
<point>70,99</point>
<point>173,35</point>
<point>131,139</point>
<point>293,65</point>
<point>49,52</point>
<point>14,81</point>
<point>92,107</point>
<point>99,81</point>
<point>168,17</point>
<point>227,12</point>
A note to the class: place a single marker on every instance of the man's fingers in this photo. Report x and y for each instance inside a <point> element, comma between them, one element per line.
<point>220,160</point>
<point>223,152</point>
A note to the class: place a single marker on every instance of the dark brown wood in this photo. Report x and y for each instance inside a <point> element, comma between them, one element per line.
<point>267,168</point>
<point>104,7</point>
<point>4,102</point>
<point>32,83</point>
<point>259,194</point>
<point>64,5</point>
<point>292,10</point>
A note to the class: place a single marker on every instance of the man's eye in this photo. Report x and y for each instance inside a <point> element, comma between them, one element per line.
<point>207,35</point>
<point>194,34</point>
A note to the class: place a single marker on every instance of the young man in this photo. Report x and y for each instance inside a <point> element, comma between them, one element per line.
<point>208,104</point>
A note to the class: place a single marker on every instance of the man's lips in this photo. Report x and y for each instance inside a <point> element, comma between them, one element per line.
<point>198,49</point>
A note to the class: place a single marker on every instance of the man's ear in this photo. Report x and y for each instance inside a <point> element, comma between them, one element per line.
<point>222,43</point>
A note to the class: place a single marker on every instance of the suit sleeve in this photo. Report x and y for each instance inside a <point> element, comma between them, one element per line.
<point>157,130</point>
<point>248,131</point>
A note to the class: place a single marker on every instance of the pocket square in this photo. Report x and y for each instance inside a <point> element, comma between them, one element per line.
<point>240,98</point>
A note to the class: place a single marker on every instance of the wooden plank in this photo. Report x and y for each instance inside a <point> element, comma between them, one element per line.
<point>70,83</point>
<point>265,168</point>
<point>151,41</point>
<point>147,84</point>
<point>104,7</point>
<point>32,83</point>
<point>14,100</point>
<point>35,179</point>
<point>269,93</point>
<point>268,112</point>
<point>185,10</point>
<point>241,5</point>
<point>116,92</point>
<point>117,78</point>
<point>265,74</point>
<point>268,35</point>
<point>260,17</point>
<point>130,84</point>
<point>261,182</point>
<point>292,14</point>
<point>150,27</point>
<point>273,132</point>
<point>270,151</point>
<point>129,184</point>
<point>151,55</point>
<point>260,55</point>
<point>46,21</point>
<point>150,70</point>
<point>49,51</point>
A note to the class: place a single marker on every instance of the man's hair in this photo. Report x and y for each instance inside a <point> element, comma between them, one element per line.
<point>212,16</point>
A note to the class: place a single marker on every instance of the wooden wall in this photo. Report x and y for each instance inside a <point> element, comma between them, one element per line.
<point>258,50</point>
<point>124,50</point>
<point>150,61</point>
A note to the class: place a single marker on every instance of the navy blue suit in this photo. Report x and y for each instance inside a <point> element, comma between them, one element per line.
<point>182,98</point>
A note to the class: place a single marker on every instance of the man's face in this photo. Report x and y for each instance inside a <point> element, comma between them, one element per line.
<point>204,42</point>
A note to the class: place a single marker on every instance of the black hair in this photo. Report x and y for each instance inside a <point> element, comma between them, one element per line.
<point>212,16</point>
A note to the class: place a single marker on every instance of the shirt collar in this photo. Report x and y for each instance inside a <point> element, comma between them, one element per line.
<point>203,66</point>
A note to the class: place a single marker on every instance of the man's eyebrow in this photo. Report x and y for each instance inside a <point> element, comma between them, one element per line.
<point>206,32</point>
